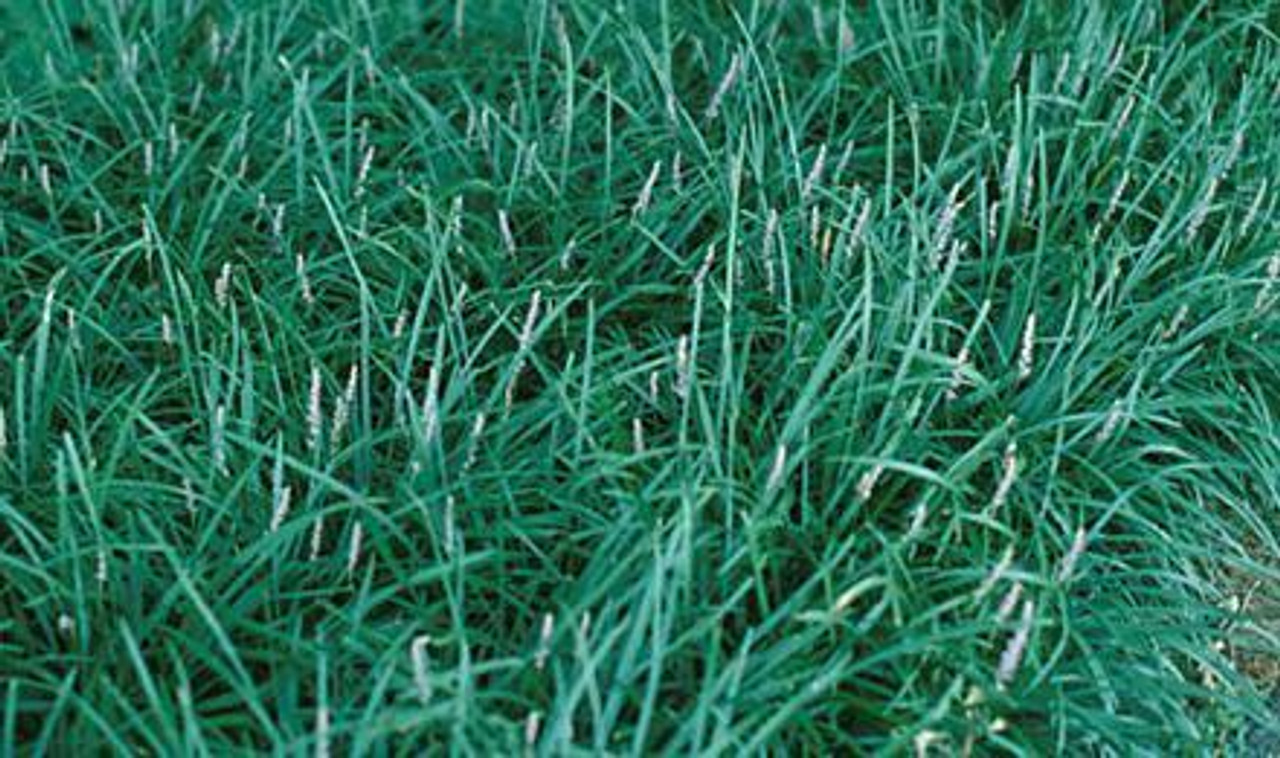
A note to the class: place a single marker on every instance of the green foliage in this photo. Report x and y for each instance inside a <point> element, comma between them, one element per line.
<point>619,377</point>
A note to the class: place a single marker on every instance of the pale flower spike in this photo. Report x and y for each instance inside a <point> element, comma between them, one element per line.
<point>726,84</point>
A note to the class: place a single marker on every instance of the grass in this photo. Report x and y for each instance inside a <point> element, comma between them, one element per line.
<point>679,376</point>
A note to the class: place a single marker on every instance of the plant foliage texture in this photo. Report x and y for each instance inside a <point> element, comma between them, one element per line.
<point>684,376</point>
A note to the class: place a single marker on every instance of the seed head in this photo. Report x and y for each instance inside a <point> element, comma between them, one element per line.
<point>342,407</point>
<point>1011,658</point>
<point>1114,417</point>
<point>867,484</point>
<point>421,667</point>
<point>767,245</point>
<point>281,509</point>
<point>431,406</point>
<point>1073,555</point>
<point>860,226</point>
<point>1009,476</point>
<point>544,641</point>
<point>918,516</point>
<point>683,368</point>
<point>566,256</point>
<point>317,537</point>
<point>531,727</point>
<point>1123,120</point>
<point>1009,602</point>
<point>504,228</point>
<point>315,410</point>
<point>222,287</point>
<point>946,224</point>
<point>1026,358</point>
<point>726,83</point>
<point>707,262</point>
<point>958,380</point>
<point>1201,211</point>
<point>1116,194</point>
<point>646,192</point>
<point>219,439</point>
<point>473,448</point>
<point>1179,317</point>
<point>997,574</point>
<point>815,172</point>
<point>353,551</point>
<point>777,470</point>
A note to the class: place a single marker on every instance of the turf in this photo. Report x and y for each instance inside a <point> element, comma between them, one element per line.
<point>583,377</point>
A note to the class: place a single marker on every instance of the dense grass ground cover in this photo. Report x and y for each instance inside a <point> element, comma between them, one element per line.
<point>591,376</point>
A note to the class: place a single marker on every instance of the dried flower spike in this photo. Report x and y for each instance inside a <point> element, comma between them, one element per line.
<point>1072,557</point>
<point>353,551</point>
<point>342,407</point>
<point>421,667</point>
<point>1011,658</point>
<point>646,192</point>
<point>544,641</point>
<point>1008,477</point>
<point>726,84</point>
<point>777,471</point>
<point>1026,358</point>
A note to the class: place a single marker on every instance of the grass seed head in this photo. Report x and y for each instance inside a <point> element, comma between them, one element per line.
<point>1008,476</point>
<point>777,471</point>
<point>1009,602</point>
<point>726,83</point>
<point>958,378</point>
<point>996,575</point>
<point>317,538</point>
<point>815,172</point>
<point>421,661</point>
<point>281,509</point>
<point>1011,658</point>
<point>222,287</point>
<point>646,191</point>
<point>1116,194</point>
<point>1114,417</point>
<point>1200,213</point>
<point>544,641</point>
<point>683,368</point>
<point>1026,358</point>
<point>867,484</point>
<point>1072,557</point>
<point>473,446</point>
<point>353,548</point>
<point>219,444</point>
<point>342,407</point>
<point>532,724</point>
<point>504,228</point>
<point>315,409</point>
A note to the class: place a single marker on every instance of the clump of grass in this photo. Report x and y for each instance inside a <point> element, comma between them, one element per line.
<point>574,375</point>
